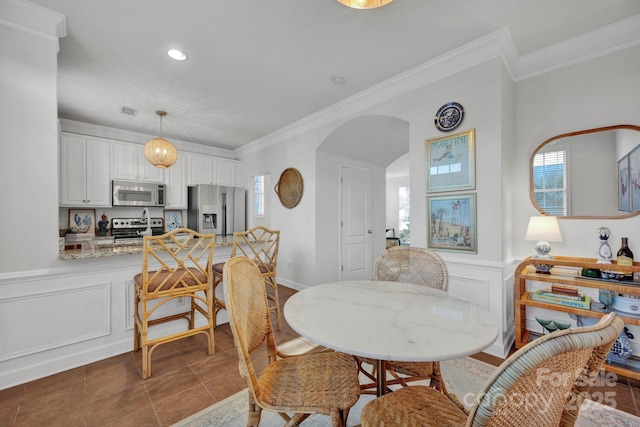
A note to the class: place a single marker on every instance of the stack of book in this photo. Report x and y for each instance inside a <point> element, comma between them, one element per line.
<point>563,295</point>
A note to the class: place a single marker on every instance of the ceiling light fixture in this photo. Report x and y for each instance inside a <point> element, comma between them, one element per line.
<point>364,4</point>
<point>337,80</point>
<point>176,54</point>
<point>158,151</point>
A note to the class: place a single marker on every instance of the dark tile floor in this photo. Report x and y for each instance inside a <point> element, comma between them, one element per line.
<point>184,380</point>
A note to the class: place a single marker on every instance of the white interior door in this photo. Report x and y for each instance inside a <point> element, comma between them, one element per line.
<point>355,224</point>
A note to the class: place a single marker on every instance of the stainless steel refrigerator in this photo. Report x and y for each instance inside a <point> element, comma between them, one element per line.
<point>216,209</point>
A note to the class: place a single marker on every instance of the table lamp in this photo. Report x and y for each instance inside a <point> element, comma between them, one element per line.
<point>543,229</point>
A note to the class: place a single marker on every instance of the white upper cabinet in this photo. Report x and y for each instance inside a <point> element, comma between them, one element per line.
<point>202,169</point>
<point>176,182</point>
<point>225,172</point>
<point>129,164</point>
<point>84,172</point>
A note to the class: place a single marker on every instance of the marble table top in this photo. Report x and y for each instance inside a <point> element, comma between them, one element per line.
<point>391,321</point>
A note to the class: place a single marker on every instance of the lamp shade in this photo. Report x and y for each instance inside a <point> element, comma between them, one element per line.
<point>364,4</point>
<point>544,228</point>
<point>160,153</point>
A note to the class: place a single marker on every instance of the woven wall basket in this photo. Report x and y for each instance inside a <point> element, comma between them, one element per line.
<point>290,188</point>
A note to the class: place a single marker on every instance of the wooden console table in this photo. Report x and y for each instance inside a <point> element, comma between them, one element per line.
<point>567,270</point>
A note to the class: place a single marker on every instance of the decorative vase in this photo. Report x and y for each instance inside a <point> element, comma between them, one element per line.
<point>604,250</point>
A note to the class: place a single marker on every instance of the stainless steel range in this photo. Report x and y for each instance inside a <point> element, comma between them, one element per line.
<point>127,230</point>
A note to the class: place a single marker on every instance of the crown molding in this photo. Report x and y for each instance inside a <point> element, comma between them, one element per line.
<point>99,131</point>
<point>33,19</point>
<point>498,44</point>
<point>602,41</point>
<point>465,57</point>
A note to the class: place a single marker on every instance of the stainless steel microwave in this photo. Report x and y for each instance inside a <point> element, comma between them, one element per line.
<point>130,193</point>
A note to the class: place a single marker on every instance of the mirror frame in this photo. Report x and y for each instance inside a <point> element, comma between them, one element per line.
<point>565,135</point>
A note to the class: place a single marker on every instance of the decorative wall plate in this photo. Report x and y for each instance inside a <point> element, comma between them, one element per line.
<point>289,188</point>
<point>449,117</point>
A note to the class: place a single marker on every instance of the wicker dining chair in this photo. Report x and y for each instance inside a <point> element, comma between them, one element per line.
<point>419,266</point>
<point>542,384</point>
<point>261,245</point>
<point>297,386</point>
<point>184,259</point>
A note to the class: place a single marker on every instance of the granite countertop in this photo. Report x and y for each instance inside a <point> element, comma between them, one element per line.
<point>92,250</point>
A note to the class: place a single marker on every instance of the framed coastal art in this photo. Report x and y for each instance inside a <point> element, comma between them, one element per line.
<point>172,220</point>
<point>451,223</point>
<point>451,163</point>
<point>624,199</point>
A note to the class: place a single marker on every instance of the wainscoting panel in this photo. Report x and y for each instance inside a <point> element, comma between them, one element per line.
<point>476,290</point>
<point>47,320</point>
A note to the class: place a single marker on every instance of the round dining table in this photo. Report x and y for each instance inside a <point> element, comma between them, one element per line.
<point>390,321</point>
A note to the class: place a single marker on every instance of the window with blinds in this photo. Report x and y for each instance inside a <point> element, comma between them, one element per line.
<point>549,182</point>
<point>258,196</point>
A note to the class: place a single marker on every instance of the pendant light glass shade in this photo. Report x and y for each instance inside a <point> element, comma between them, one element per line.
<point>160,152</point>
<point>364,4</point>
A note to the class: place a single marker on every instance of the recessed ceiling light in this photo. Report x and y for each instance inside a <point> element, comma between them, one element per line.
<point>337,80</point>
<point>176,54</point>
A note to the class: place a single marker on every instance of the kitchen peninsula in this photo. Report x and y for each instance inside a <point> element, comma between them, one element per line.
<point>92,250</point>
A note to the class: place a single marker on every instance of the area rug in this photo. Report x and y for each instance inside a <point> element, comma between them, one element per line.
<point>463,377</point>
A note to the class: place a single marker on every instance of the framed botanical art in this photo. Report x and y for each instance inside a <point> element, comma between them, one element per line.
<point>450,162</point>
<point>451,223</point>
<point>172,220</point>
<point>624,199</point>
<point>634,180</point>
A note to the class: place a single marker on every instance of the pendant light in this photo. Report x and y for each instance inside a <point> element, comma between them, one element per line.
<point>158,151</point>
<point>364,4</point>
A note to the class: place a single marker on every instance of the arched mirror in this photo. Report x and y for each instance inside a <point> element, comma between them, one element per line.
<point>593,173</point>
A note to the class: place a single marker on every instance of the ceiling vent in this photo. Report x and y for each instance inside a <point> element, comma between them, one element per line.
<point>128,110</point>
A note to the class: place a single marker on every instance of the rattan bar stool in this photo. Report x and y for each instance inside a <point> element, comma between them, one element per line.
<point>184,259</point>
<point>261,245</point>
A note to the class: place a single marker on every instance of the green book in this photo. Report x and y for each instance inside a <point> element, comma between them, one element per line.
<point>539,295</point>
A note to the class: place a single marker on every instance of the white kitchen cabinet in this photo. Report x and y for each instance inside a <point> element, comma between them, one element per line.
<point>85,178</point>
<point>204,169</point>
<point>200,169</point>
<point>176,182</point>
<point>129,164</point>
<point>225,172</point>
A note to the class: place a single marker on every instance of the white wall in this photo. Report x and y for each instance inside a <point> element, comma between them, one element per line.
<point>28,164</point>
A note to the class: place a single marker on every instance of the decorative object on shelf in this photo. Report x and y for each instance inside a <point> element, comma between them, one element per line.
<point>172,220</point>
<point>102,225</point>
<point>621,350</point>
<point>625,257</point>
<point>607,298</point>
<point>545,322</point>
<point>290,188</point>
<point>158,151</point>
<point>450,163</point>
<point>604,250</point>
<point>627,303</point>
<point>449,117</point>
<point>451,223</point>
<point>541,296</point>
<point>364,4</point>
<point>543,229</point>
<point>82,221</point>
